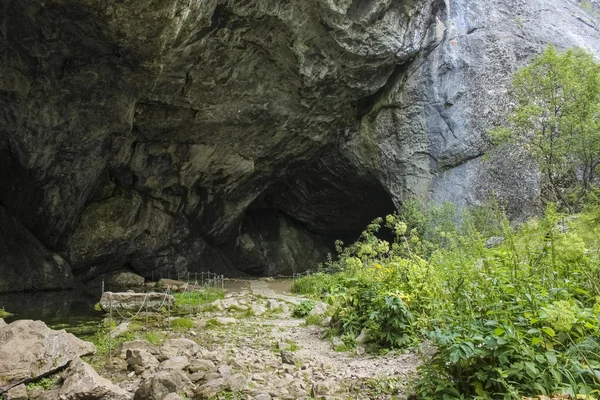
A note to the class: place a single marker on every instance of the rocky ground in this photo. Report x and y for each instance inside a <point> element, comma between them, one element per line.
<point>246,346</point>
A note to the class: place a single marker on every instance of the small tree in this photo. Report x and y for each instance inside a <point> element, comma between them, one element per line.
<point>556,117</point>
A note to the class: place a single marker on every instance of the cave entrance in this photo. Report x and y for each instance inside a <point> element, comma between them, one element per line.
<point>294,224</point>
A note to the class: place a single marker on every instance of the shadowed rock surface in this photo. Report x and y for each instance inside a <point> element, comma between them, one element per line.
<point>244,137</point>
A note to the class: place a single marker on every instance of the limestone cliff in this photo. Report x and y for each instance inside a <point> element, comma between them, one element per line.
<point>235,135</point>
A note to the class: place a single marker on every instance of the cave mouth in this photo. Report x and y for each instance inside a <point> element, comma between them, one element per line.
<point>294,224</point>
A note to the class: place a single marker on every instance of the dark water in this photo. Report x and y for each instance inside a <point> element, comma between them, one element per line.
<point>69,310</point>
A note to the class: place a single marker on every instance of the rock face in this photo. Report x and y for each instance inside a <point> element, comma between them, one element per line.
<point>237,136</point>
<point>29,349</point>
<point>25,264</point>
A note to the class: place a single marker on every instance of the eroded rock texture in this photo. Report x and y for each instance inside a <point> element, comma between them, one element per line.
<point>188,135</point>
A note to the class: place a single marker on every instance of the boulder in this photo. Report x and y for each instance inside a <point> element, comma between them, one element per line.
<point>177,362</point>
<point>233,383</point>
<point>29,349</point>
<point>364,337</point>
<point>120,329</point>
<point>179,347</point>
<point>134,302</point>
<point>81,382</point>
<point>139,345</point>
<point>139,359</point>
<point>2,323</point>
<point>319,309</point>
<point>287,357</point>
<point>125,280</point>
<point>161,384</point>
<point>258,310</point>
<point>201,365</point>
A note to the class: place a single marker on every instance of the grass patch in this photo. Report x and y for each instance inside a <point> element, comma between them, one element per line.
<point>4,313</point>
<point>212,323</point>
<point>313,319</point>
<point>184,301</point>
<point>182,324</point>
<point>155,338</point>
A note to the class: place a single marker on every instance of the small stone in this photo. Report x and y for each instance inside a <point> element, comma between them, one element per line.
<point>324,388</point>
<point>201,365</point>
<point>17,393</point>
<point>140,358</point>
<point>364,336</point>
<point>325,322</point>
<point>287,357</point>
<point>258,309</point>
<point>224,370</point>
<point>173,396</point>
<point>180,347</point>
<point>226,320</point>
<point>272,304</point>
<point>360,350</point>
<point>197,376</point>
<point>177,362</point>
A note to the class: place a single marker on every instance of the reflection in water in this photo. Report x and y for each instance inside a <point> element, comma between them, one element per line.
<point>71,310</point>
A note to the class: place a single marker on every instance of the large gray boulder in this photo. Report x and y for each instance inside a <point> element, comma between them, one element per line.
<point>81,382</point>
<point>29,349</point>
<point>135,302</point>
<point>159,385</point>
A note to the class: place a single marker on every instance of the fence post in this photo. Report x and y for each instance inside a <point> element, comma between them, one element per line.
<point>110,313</point>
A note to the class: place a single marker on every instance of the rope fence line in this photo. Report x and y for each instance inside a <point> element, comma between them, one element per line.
<point>208,280</point>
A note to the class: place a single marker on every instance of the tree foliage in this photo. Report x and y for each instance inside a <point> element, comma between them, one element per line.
<point>556,118</point>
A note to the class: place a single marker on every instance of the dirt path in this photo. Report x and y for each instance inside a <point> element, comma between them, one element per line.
<point>252,342</point>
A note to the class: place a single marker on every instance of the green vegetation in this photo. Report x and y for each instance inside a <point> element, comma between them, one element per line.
<point>182,324</point>
<point>155,338</point>
<point>184,301</point>
<point>556,119</point>
<point>515,319</point>
<point>304,308</point>
<point>45,383</point>
<point>4,313</point>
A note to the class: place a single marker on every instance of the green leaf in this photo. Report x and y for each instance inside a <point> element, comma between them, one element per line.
<point>551,357</point>
<point>536,340</point>
<point>549,331</point>
<point>499,331</point>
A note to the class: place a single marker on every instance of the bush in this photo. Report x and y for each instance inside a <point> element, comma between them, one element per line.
<point>517,319</point>
<point>304,308</point>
